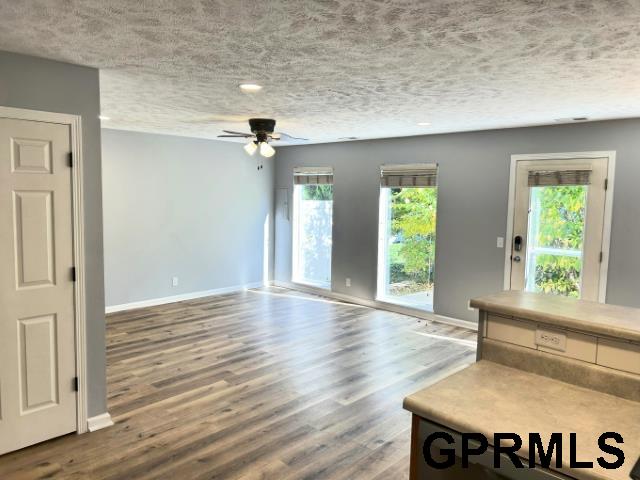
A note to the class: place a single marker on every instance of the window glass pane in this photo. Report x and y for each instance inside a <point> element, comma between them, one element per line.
<point>556,239</point>
<point>312,250</point>
<point>407,245</point>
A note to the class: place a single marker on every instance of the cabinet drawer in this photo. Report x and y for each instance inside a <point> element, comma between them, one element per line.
<point>510,330</point>
<point>577,345</point>
<point>619,355</point>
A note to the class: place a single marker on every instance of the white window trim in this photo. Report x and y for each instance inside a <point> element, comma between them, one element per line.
<point>383,248</point>
<point>75,124</point>
<point>608,209</point>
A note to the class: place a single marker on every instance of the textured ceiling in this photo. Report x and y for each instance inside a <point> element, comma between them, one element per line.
<point>342,68</point>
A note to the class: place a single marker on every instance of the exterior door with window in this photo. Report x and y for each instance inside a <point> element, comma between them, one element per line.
<point>558,227</point>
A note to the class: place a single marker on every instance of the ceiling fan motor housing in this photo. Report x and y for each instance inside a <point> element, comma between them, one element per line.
<point>262,127</point>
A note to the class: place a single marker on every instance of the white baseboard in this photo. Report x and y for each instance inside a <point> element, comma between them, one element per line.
<point>377,304</point>
<point>458,322</point>
<point>99,422</point>
<point>180,298</point>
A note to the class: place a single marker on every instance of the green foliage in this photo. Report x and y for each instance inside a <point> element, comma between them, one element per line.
<point>559,224</point>
<point>397,273</point>
<point>562,213</point>
<point>317,192</point>
<point>558,275</point>
<point>413,221</point>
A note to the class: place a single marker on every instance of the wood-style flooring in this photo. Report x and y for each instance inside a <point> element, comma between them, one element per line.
<point>264,384</point>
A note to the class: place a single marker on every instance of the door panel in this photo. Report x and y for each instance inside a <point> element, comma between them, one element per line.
<point>38,363</point>
<point>37,322</point>
<point>33,216</point>
<point>561,230</point>
<point>30,155</point>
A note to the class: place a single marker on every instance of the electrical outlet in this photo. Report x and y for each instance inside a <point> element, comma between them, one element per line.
<point>469,307</point>
<point>174,281</point>
<point>347,282</point>
<point>500,242</point>
<point>551,339</point>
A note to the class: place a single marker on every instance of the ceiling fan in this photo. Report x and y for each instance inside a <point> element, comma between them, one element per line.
<point>261,134</point>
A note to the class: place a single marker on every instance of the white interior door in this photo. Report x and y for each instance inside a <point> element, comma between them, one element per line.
<point>558,226</point>
<point>37,324</point>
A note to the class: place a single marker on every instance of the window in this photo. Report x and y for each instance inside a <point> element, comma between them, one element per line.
<point>312,226</point>
<point>407,235</point>
<point>554,256</point>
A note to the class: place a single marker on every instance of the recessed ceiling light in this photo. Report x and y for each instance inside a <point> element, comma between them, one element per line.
<point>424,124</point>
<point>104,117</point>
<point>250,87</point>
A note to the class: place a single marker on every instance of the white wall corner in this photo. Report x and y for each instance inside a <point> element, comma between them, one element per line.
<point>99,422</point>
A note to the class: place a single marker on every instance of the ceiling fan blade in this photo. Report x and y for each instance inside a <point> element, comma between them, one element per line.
<point>223,119</point>
<point>238,133</point>
<point>235,136</point>
<point>286,137</point>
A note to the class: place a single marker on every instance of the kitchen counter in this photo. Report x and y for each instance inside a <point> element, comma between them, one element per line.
<point>487,397</point>
<point>588,317</point>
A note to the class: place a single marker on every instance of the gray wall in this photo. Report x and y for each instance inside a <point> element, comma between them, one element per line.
<point>184,207</point>
<point>37,84</point>
<point>472,205</point>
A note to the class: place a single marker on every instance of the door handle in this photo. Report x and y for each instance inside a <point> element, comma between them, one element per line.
<point>516,258</point>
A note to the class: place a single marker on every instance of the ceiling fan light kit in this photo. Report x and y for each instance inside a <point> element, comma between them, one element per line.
<point>251,147</point>
<point>261,134</point>
<point>267,150</point>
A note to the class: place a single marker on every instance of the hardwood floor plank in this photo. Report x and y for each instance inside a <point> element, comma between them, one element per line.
<point>267,384</point>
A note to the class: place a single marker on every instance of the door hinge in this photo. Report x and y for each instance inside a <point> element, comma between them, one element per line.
<point>75,384</point>
<point>70,159</point>
<point>73,274</point>
<point>601,256</point>
<point>606,183</point>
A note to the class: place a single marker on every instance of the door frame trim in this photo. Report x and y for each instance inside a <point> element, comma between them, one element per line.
<point>608,208</point>
<point>77,198</point>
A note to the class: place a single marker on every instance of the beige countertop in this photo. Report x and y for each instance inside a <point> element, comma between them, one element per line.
<point>488,398</point>
<point>590,317</point>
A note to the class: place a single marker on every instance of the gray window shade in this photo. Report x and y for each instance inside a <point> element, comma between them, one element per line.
<point>313,176</point>
<point>416,175</point>
<point>543,178</point>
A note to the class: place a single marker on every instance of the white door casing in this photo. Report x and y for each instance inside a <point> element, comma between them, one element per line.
<point>597,224</point>
<point>38,328</point>
<point>282,224</point>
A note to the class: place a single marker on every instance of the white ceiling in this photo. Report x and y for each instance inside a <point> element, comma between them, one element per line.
<point>342,68</point>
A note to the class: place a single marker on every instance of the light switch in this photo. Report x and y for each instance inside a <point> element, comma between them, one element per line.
<point>500,242</point>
